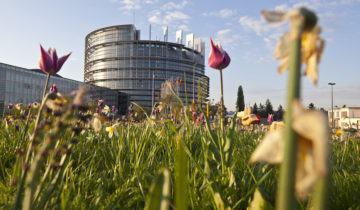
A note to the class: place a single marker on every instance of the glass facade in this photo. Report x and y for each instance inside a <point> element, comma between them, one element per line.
<point>20,85</point>
<point>116,58</point>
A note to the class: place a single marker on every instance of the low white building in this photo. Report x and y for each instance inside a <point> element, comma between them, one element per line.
<point>346,117</point>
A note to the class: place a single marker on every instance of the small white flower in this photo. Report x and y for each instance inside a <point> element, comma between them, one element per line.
<point>112,130</point>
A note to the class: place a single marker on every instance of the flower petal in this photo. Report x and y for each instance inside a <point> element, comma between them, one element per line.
<point>271,148</point>
<point>313,125</point>
<point>46,62</point>
<point>61,61</point>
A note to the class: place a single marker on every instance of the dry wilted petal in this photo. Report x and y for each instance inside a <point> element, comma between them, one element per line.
<point>276,126</point>
<point>249,119</point>
<point>96,122</point>
<point>271,148</point>
<point>312,153</point>
<point>311,44</point>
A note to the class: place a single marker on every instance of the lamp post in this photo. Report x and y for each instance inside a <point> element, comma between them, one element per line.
<point>153,87</point>
<point>332,103</point>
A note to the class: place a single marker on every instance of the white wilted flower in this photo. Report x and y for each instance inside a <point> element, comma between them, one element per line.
<point>96,122</point>
<point>311,44</point>
<point>313,134</point>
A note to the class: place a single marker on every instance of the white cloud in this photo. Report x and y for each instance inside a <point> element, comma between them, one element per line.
<point>228,38</point>
<point>184,27</point>
<point>224,13</point>
<point>170,14</point>
<point>172,5</point>
<point>167,18</point>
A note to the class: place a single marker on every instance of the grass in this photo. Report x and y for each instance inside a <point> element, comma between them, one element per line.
<point>118,172</point>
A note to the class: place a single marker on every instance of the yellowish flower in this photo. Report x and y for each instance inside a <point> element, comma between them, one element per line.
<point>106,109</point>
<point>276,126</point>
<point>249,119</point>
<point>311,44</point>
<point>112,130</point>
<point>18,106</point>
<point>57,103</point>
<point>90,138</point>
<point>338,132</point>
<point>10,117</point>
<point>96,122</point>
<point>161,106</point>
<point>313,134</point>
<point>35,105</point>
<point>160,133</point>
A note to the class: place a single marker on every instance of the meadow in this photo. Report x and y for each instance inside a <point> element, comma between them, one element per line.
<point>201,166</point>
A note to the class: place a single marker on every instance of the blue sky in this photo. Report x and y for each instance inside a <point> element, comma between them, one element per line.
<point>238,25</point>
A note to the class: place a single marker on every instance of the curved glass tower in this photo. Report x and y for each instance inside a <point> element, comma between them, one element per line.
<point>116,58</point>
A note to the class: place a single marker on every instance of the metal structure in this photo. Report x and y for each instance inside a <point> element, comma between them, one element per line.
<point>116,58</point>
<point>332,104</point>
<point>21,85</point>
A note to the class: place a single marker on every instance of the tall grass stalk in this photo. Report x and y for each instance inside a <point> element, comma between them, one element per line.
<point>285,196</point>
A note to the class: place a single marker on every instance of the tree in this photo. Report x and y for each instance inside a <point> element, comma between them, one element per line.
<point>240,102</point>
<point>261,111</point>
<point>311,106</point>
<point>268,107</point>
<point>279,113</point>
<point>255,109</point>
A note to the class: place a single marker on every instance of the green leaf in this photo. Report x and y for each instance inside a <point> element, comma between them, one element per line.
<point>259,203</point>
<point>159,197</point>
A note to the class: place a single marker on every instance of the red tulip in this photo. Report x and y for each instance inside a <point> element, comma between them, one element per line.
<point>53,88</point>
<point>218,58</point>
<point>10,106</point>
<point>49,62</point>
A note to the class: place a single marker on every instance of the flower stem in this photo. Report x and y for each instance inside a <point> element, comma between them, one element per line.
<point>222,109</point>
<point>46,85</point>
<point>285,196</point>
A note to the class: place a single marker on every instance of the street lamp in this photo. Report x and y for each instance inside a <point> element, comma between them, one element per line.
<point>153,90</point>
<point>332,103</point>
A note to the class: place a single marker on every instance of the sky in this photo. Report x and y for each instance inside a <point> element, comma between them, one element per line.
<point>248,39</point>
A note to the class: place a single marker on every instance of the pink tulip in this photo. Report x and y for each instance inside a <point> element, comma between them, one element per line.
<point>49,62</point>
<point>113,108</point>
<point>10,106</point>
<point>100,102</point>
<point>201,116</point>
<point>53,88</point>
<point>29,106</point>
<point>270,118</point>
<point>218,58</point>
<point>96,110</point>
<point>194,114</point>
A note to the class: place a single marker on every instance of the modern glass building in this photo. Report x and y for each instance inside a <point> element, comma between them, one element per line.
<point>20,85</point>
<point>116,58</point>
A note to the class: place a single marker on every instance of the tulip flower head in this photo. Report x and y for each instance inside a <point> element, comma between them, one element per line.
<point>218,58</point>
<point>29,106</point>
<point>10,106</point>
<point>270,118</point>
<point>113,108</point>
<point>53,88</point>
<point>49,61</point>
<point>100,103</point>
<point>193,114</point>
